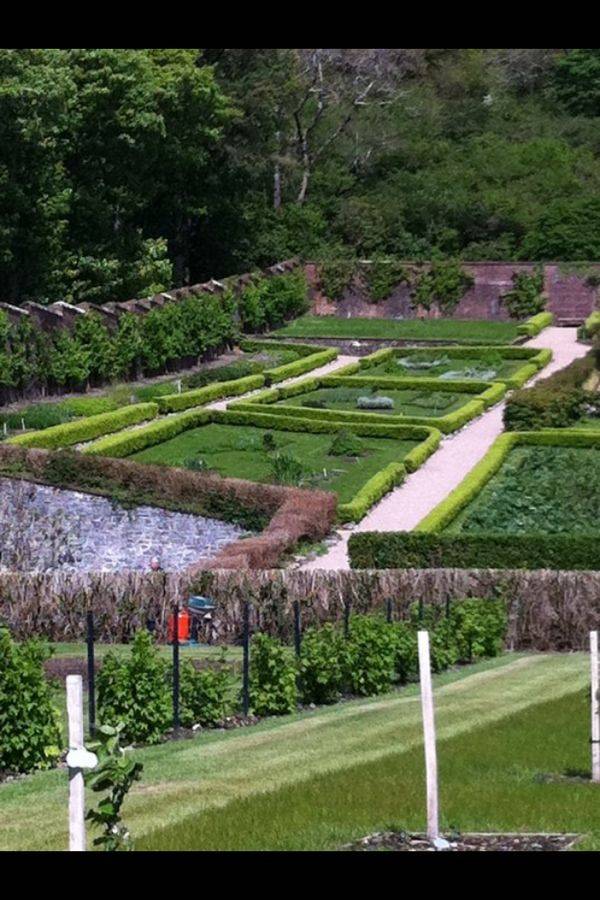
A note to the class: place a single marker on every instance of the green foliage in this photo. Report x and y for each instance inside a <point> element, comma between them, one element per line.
<point>175,402</point>
<point>526,296</point>
<point>346,443</point>
<point>269,442</point>
<point>268,302</point>
<point>374,403</point>
<point>205,694</point>
<point>127,442</point>
<point>592,324</point>
<point>287,469</point>
<point>576,82</point>
<point>88,428</point>
<point>135,692</point>
<point>273,689</point>
<point>553,402</point>
<point>322,665</point>
<point>443,284</point>
<point>336,275</point>
<point>479,628</point>
<point>406,651</point>
<point>382,276</point>
<point>113,776</point>
<point>29,723</point>
<point>371,656</point>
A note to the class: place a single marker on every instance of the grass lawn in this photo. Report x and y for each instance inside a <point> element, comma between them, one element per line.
<point>406,403</point>
<point>318,779</point>
<point>238,451</point>
<point>460,331</point>
<point>548,490</point>
<point>591,424</point>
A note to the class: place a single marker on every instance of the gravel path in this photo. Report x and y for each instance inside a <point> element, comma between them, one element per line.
<point>327,369</point>
<point>404,507</point>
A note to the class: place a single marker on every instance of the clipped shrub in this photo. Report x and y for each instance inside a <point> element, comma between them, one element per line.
<point>371,655</point>
<point>206,695</point>
<point>119,445</point>
<point>176,402</point>
<point>321,665</point>
<point>592,324</point>
<point>526,296</point>
<point>29,723</point>
<point>553,402</point>
<point>135,691</point>
<point>375,403</point>
<point>87,429</point>
<point>273,690</point>
<point>300,366</point>
<point>535,324</point>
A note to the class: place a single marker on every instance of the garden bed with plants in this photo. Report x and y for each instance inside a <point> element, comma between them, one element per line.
<point>272,361</point>
<point>511,365</point>
<point>532,502</point>
<point>446,405</point>
<point>359,462</point>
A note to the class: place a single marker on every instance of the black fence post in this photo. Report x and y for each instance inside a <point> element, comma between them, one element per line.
<point>389,611</point>
<point>246,660</point>
<point>91,673</point>
<point>297,627</point>
<point>347,607</point>
<point>421,610</point>
<point>176,667</point>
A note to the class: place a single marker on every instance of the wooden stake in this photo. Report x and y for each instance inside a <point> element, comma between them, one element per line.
<point>433,829</point>
<point>595,707</point>
<point>76,785</point>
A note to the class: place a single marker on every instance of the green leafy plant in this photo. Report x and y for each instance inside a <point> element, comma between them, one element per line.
<point>444,284</point>
<point>135,692</point>
<point>286,469</point>
<point>29,723</point>
<point>382,275</point>
<point>273,690</point>
<point>479,627</point>
<point>113,776</point>
<point>526,297</point>
<point>346,443</point>
<point>321,665</point>
<point>371,655</point>
<point>205,694</point>
<point>269,442</point>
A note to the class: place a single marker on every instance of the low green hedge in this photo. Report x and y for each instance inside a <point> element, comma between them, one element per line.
<point>300,366</point>
<point>521,376</point>
<point>535,324</point>
<point>375,488</point>
<point>81,430</point>
<point>418,550</point>
<point>446,511</point>
<point>464,385</point>
<point>120,445</point>
<point>199,397</point>
<point>592,324</point>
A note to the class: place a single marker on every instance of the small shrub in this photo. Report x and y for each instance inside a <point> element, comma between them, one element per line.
<point>286,469</point>
<point>374,403</point>
<point>29,723</point>
<point>273,689</point>
<point>406,652</point>
<point>479,628</point>
<point>526,297</point>
<point>346,443</point>
<point>136,693</point>
<point>269,443</point>
<point>321,665</point>
<point>205,694</point>
<point>444,284</point>
<point>371,655</point>
<point>113,776</point>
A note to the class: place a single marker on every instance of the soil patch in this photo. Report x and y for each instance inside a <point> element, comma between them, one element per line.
<point>400,840</point>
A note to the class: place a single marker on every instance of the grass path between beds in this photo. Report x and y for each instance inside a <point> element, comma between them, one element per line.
<point>190,777</point>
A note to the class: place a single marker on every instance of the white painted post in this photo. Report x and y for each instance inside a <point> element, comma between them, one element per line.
<point>179,385</point>
<point>595,707</point>
<point>76,785</point>
<point>433,829</point>
<point>22,424</point>
<point>5,429</point>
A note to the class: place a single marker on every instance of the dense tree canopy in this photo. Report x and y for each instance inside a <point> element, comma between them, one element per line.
<point>123,172</point>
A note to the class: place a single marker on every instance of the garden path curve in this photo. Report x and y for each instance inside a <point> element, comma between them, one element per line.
<point>404,507</point>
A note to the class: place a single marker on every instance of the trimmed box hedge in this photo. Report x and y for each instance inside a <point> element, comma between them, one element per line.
<point>419,550</point>
<point>533,361</point>
<point>535,324</point>
<point>552,402</point>
<point>427,546</point>
<point>200,396</point>
<point>87,429</point>
<point>128,442</point>
<point>592,324</point>
<point>486,394</point>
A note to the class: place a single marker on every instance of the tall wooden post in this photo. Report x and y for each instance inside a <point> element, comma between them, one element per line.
<point>433,829</point>
<point>595,741</point>
<point>76,784</point>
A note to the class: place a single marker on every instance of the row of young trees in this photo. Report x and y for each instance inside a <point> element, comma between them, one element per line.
<point>145,344</point>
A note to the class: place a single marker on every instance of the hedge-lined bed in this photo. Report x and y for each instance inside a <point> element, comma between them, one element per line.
<point>532,502</point>
<point>445,405</point>
<point>513,366</point>
<point>86,429</point>
<point>360,463</point>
